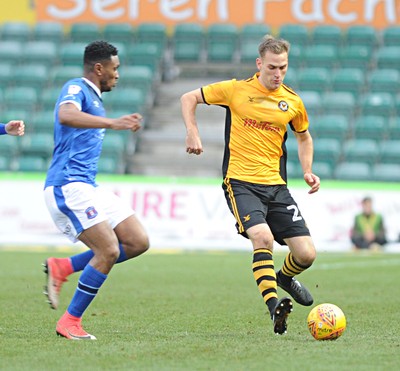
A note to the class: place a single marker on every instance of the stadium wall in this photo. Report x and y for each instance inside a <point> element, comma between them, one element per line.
<point>192,214</point>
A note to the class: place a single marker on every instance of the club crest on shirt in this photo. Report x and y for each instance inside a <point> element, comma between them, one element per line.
<point>91,212</point>
<point>283,106</point>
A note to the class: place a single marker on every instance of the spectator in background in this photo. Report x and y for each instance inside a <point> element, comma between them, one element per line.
<point>368,231</point>
<point>14,127</point>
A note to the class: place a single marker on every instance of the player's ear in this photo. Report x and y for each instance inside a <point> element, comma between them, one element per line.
<point>98,69</point>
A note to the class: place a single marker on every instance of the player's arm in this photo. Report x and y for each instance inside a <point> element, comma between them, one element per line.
<point>189,102</point>
<point>70,115</point>
<point>306,152</point>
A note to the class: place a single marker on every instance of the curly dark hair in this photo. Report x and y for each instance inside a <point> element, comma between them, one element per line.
<point>98,51</point>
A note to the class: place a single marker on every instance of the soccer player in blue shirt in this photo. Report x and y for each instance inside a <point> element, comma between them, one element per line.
<point>80,208</point>
<point>14,127</point>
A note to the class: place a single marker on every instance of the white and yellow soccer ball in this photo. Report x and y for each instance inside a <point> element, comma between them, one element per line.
<point>326,322</point>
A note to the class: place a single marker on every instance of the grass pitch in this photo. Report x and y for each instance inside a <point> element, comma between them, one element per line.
<point>201,311</point>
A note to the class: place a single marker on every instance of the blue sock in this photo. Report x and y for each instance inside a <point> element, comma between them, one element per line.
<point>89,284</point>
<point>80,261</point>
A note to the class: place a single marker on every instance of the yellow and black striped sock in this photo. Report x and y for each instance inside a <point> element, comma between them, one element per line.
<point>264,274</point>
<point>290,269</point>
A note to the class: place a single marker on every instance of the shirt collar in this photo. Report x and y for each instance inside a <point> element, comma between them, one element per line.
<point>95,88</point>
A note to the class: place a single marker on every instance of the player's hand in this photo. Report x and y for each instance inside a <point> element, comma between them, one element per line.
<point>131,122</point>
<point>313,181</point>
<point>193,145</point>
<point>15,127</point>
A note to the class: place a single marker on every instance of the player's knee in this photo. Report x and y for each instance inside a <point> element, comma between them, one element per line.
<point>261,238</point>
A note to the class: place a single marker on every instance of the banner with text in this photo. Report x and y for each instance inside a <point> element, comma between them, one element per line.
<point>378,13</point>
<point>190,216</point>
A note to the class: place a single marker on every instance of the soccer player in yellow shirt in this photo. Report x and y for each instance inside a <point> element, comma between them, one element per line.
<point>258,113</point>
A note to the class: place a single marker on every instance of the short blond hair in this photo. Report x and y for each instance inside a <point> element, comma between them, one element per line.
<point>271,44</point>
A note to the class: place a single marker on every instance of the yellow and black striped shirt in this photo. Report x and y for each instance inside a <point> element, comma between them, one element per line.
<point>256,125</point>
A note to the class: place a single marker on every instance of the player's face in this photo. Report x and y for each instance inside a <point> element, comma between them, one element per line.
<point>110,75</point>
<point>272,69</point>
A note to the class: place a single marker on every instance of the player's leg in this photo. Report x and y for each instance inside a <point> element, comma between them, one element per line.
<point>245,203</point>
<point>289,228</point>
<point>264,274</point>
<point>102,240</point>
<point>301,256</point>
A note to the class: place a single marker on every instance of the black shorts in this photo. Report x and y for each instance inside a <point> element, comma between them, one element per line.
<point>253,204</point>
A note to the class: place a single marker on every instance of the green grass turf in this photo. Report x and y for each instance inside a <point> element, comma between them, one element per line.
<point>200,311</point>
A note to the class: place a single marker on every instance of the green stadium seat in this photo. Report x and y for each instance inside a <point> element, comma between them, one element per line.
<point>48,31</point>
<point>327,35</point>
<point>42,122</point>
<point>355,56</point>
<point>155,33</point>
<point>59,75</point>
<point>249,52</point>
<point>339,103</point>
<point>388,57</point>
<point>48,98</point>
<point>312,102</point>
<point>296,56</point>
<point>119,33</point>
<point>327,150</point>
<point>113,146</point>
<point>31,164</point>
<point>389,151</point>
<point>384,80</point>
<point>110,165</point>
<point>20,98</point>
<point>350,80</point>
<point>296,34</point>
<point>253,33</point>
<point>5,164</point>
<point>33,75</point>
<point>85,32</point>
<point>15,31</point>
<point>43,52</point>
<point>222,42</point>
<point>145,54</point>
<point>139,77</point>
<point>188,42</point>
<point>332,126</point>
<point>313,79</point>
<point>323,169</point>
<point>361,35</point>
<point>186,51</point>
<point>394,127</point>
<point>37,144</point>
<point>386,172</point>
<point>9,145</point>
<point>129,100</point>
<point>11,52</point>
<point>6,69</point>
<point>377,104</point>
<point>361,150</point>
<point>325,56</point>
<point>291,77</point>
<point>356,171</point>
<point>71,53</point>
<point>370,127</point>
<point>391,36</point>
<point>294,170</point>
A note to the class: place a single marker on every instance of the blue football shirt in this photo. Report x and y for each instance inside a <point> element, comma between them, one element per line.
<point>76,150</point>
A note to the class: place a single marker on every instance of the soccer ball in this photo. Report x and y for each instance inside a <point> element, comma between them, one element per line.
<point>326,322</point>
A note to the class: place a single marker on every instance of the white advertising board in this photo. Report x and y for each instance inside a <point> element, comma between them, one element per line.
<point>192,216</point>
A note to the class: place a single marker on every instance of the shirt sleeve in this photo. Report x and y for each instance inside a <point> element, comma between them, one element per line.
<point>2,129</point>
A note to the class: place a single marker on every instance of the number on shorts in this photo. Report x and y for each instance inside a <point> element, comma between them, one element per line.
<point>296,217</point>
